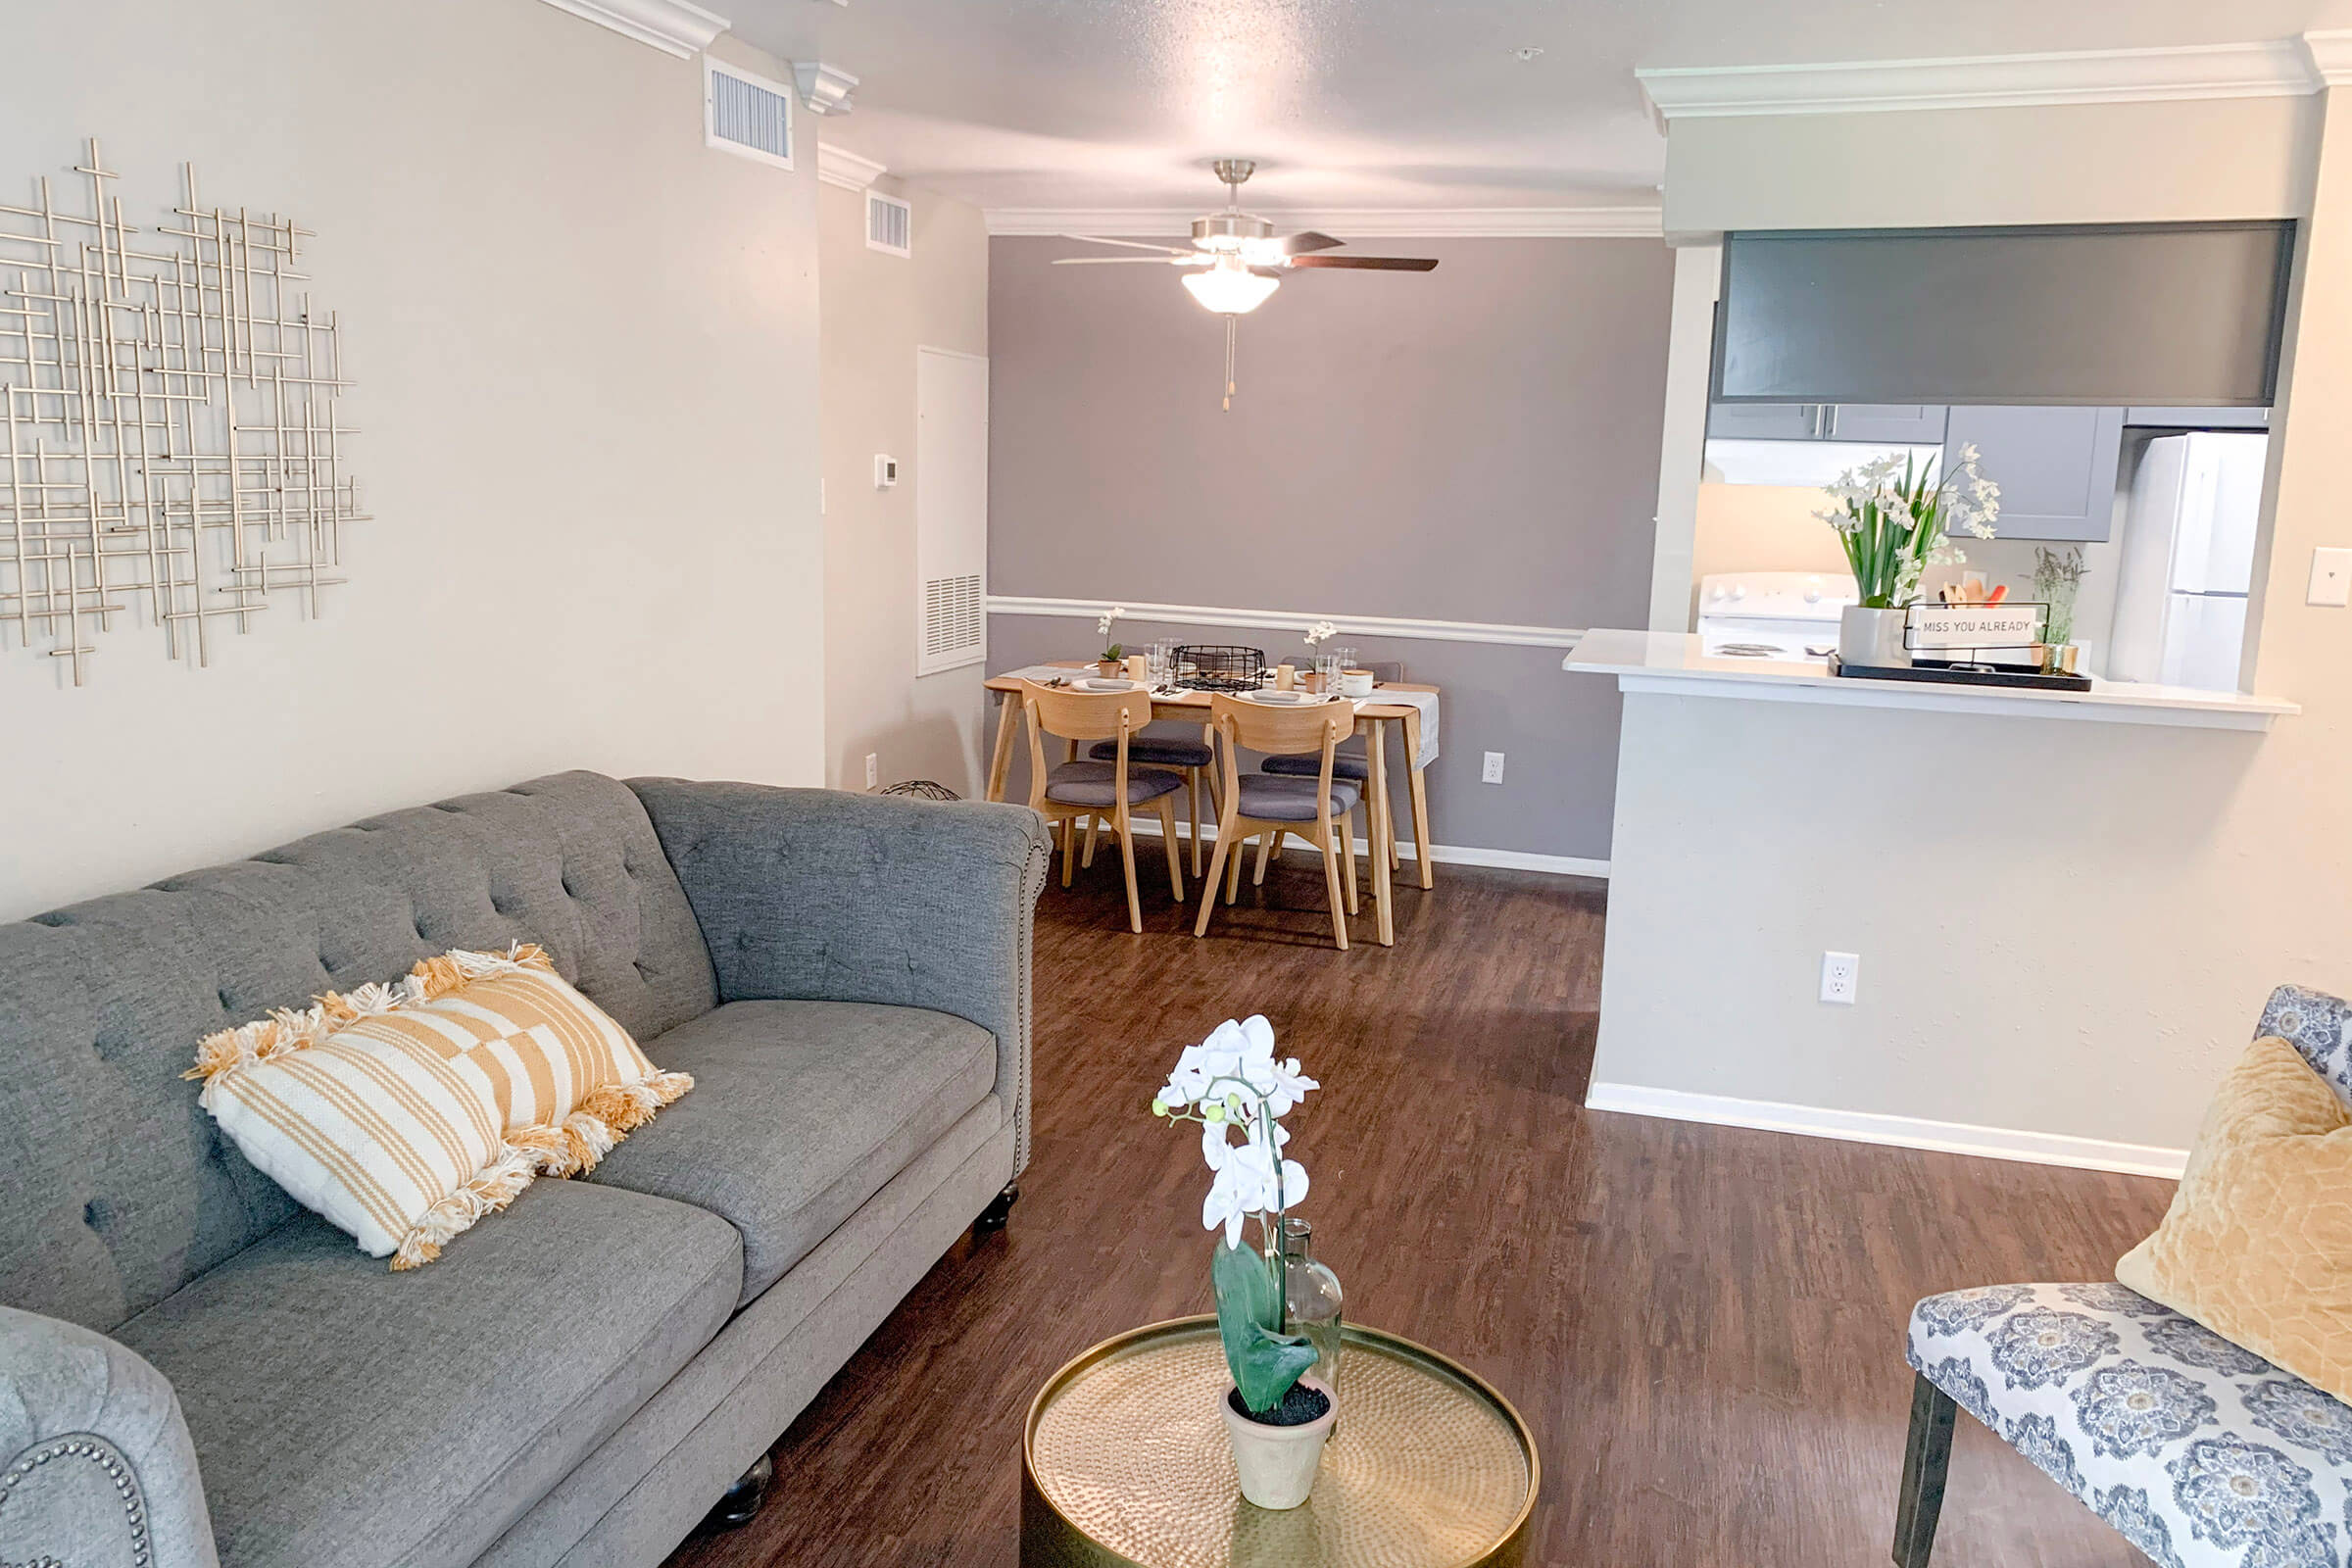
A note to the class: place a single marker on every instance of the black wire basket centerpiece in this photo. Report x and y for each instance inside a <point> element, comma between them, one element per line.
<point>1220,668</point>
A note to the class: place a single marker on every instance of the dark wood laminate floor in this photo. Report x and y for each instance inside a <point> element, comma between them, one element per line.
<point>1703,1325</point>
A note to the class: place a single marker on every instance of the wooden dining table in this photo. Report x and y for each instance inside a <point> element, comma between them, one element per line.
<point>1372,718</point>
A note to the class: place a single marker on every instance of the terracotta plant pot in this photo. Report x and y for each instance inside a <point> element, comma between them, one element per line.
<point>1110,669</point>
<point>1277,1465</point>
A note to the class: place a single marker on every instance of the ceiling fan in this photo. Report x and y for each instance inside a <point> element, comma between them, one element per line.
<point>1237,260</point>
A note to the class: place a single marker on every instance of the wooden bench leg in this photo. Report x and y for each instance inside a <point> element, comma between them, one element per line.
<point>1927,1457</point>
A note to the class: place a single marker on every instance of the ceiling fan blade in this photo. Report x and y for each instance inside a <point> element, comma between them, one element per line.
<point>1301,242</point>
<point>1127,260</point>
<point>1131,244</point>
<point>1370,264</point>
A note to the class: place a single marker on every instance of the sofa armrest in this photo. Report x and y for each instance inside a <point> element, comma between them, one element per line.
<point>95,1461</point>
<point>825,896</point>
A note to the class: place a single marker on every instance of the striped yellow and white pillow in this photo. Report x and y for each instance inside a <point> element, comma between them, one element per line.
<point>405,1112</point>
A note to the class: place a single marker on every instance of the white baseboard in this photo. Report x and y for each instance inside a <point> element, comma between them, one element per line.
<point>1902,1132</point>
<point>1438,854</point>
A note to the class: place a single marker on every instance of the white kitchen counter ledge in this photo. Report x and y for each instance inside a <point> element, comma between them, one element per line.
<point>1671,662</point>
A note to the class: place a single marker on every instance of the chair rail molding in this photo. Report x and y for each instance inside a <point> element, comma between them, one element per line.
<point>1440,632</point>
<point>673,26</point>
<point>1636,220</point>
<point>838,165</point>
<point>2278,68</point>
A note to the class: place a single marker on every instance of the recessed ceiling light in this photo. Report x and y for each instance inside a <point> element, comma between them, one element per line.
<point>1527,52</point>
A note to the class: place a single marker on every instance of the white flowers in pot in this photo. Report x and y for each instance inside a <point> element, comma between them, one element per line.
<point>1895,516</point>
<point>1321,632</point>
<point>1113,651</point>
<point>1276,1414</point>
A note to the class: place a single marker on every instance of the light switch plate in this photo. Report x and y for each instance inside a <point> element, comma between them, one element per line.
<point>2331,578</point>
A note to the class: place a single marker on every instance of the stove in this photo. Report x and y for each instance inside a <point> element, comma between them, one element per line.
<point>1783,616</point>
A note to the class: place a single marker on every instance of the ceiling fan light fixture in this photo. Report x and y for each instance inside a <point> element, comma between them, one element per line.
<point>1230,288</point>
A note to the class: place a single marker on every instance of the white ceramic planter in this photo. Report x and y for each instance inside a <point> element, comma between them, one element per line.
<point>1867,636</point>
<point>1277,1463</point>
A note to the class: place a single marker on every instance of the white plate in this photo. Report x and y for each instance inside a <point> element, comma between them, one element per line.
<point>1097,683</point>
<point>1284,699</point>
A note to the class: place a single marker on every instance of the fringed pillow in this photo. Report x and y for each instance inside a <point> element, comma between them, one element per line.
<point>405,1112</point>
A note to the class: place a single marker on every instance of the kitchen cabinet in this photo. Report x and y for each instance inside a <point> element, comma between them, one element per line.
<point>1761,421</point>
<point>1890,423</point>
<point>1919,424</point>
<point>2200,419</point>
<point>2055,466</point>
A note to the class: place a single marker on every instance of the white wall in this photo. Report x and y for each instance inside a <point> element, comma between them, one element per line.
<point>2065,928</point>
<point>586,355</point>
<point>877,309</point>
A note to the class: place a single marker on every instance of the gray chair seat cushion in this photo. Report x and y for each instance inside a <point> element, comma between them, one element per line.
<point>1168,750</point>
<point>1343,764</point>
<point>346,1414</point>
<point>1097,784</point>
<point>801,1111</point>
<point>1281,798</point>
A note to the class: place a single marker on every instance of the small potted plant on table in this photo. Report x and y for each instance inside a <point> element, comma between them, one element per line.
<point>1276,1412</point>
<point>1895,516</point>
<point>1113,662</point>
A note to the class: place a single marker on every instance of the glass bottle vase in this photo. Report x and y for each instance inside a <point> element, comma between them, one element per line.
<point>1315,1299</point>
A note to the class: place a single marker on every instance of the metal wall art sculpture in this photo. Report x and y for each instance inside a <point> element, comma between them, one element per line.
<point>170,445</point>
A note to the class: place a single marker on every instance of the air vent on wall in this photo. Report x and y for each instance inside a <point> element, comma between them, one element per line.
<point>747,115</point>
<point>888,224</point>
<point>953,623</point>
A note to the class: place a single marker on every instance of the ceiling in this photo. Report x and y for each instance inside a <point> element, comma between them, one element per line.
<point>1400,104</point>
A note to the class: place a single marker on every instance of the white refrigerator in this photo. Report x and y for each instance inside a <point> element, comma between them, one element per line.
<point>2187,561</point>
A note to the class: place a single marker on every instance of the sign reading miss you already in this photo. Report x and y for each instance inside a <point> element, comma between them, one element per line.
<point>1974,625</point>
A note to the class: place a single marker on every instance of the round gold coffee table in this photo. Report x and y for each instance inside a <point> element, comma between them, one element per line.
<point>1125,1464</point>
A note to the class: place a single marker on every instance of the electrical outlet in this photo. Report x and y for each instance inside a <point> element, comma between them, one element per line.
<point>1492,774</point>
<point>2331,578</point>
<point>874,770</point>
<point>1840,977</point>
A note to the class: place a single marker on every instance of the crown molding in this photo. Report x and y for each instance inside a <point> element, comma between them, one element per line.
<point>672,26</point>
<point>2331,55</point>
<point>1636,222</point>
<point>838,165</point>
<point>2280,68</point>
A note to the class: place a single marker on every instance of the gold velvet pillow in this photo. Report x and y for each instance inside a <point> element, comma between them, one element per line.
<point>2258,1242</point>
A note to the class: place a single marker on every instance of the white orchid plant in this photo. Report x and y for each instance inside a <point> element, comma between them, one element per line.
<point>1113,651</point>
<point>1232,1083</point>
<point>1895,516</point>
<point>1321,632</point>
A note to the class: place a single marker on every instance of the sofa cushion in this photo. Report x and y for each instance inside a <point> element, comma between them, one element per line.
<point>347,1415</point>
<point>801,1111</point>
<point>120,1189</point>
<point>2199,1452</point>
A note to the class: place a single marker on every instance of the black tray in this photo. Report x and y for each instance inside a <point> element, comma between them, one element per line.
<point>2031,680</point>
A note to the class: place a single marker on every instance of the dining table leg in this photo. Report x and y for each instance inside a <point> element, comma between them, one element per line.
<point>1008,724</point>
<point>1384,837</point>
<point>1420,794</point>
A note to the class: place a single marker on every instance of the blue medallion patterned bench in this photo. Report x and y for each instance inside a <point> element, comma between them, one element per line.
<point>2200,1453</point>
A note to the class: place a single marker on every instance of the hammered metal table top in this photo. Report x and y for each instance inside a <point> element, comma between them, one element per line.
<point>1127,1462</point>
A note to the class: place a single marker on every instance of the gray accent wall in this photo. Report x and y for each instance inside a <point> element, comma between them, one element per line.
<point>1478,444</point>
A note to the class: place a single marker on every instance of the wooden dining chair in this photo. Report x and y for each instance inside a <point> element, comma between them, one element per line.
<point>1352,762</point>
<point>1315,809</point>
<point>1196,757</point>
<point>1076,789</point>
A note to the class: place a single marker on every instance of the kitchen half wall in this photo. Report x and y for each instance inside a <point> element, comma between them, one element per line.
<point>1477,446</point>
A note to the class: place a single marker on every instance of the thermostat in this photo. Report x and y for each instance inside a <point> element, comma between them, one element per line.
<point>886,471</point>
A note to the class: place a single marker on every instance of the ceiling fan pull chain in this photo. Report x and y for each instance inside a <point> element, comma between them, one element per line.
<point>1231,321</point>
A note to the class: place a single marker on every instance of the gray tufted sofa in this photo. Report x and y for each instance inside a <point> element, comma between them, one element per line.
<point>194,1370</point>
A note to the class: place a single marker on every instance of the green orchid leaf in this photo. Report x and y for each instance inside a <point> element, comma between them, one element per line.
<point>1264,1362</point>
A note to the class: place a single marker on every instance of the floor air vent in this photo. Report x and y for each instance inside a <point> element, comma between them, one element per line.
<point>888,224</point>
<point>747,115</point>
